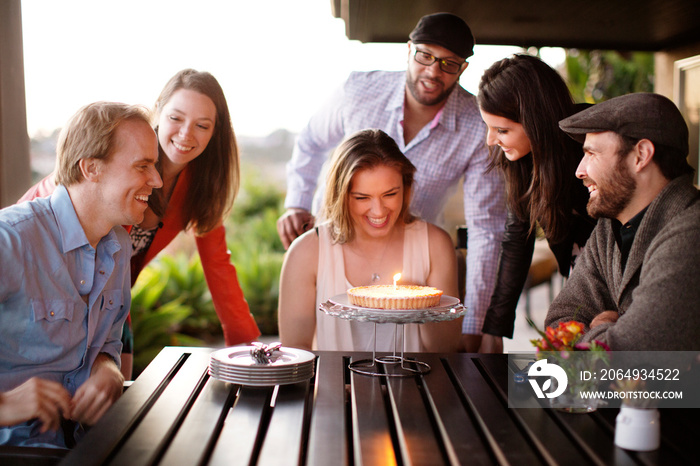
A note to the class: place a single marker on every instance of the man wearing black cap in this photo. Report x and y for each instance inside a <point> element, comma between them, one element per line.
<point>436,124</point>
<point>637,284</point>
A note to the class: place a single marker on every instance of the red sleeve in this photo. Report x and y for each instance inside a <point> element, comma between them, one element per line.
<point>231,307</point>
<point>42,189</point>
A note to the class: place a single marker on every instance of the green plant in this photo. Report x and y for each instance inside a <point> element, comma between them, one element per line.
<point>258,275</point>
<point>594,76</point>
<point>256,248</point>
<point>171,306</point>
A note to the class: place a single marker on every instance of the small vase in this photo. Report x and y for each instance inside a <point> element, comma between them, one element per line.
<point>637,429</point>
<point>569,402</point>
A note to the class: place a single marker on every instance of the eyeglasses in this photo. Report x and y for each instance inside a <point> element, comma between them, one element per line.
<point>427,59</point>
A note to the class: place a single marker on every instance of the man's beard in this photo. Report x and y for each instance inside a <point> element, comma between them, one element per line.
<point>614,193</point>
<point>412,84</point>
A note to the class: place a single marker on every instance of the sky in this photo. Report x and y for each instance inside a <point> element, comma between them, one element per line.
<point>276,60</point>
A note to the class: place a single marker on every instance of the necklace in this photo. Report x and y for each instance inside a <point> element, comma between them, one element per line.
<point>375,276</point>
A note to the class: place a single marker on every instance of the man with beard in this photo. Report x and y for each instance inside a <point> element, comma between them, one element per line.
<point>636,286</point>
<point>437,125</point>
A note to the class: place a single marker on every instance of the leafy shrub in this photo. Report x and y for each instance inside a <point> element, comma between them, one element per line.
<point>256,248</point>
<point>171,306</point>
<point>594,76</point>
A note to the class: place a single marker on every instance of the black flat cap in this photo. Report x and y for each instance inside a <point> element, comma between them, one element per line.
<point>445,30</point>
<point>638,116</point>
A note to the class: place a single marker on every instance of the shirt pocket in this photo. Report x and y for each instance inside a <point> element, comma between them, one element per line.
<point>53,310</point>
<point>110,312</point>
<point>112,301</point>
<point>52,331</point>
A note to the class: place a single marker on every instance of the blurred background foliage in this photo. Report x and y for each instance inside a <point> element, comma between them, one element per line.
<point>594,76</point>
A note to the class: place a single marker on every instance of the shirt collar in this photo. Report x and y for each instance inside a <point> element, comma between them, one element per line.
<point>625,234</point>
<point>637,219</point>
<point>69,227</point>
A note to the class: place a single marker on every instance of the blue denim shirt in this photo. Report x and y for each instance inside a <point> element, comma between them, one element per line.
<point>62,302</point>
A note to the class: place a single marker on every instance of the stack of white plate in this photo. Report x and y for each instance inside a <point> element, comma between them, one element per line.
<point>237,365</point>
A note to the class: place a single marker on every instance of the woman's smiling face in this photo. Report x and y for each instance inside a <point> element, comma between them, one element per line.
<point>507,134</point>
<point>185,126</point>
<point>375,200</point>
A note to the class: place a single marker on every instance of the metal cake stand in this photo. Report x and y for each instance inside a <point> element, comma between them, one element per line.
<point>339,306</point>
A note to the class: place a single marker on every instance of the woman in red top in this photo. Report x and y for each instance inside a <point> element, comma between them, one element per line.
<point>200,168</point>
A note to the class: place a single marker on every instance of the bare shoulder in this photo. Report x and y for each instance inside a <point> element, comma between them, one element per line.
<point>438,236</point>
<point>304,248</point>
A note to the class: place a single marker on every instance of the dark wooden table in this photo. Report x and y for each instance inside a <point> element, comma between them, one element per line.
<point>458,413</point>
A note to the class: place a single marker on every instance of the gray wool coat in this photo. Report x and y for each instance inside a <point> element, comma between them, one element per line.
<point>658,295</point>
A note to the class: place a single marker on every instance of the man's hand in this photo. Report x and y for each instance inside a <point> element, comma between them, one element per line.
<point>293,223</point>
<point>491,344</point>
<point>99,392</point>
<point>36,398</point>
<point>605,317</point>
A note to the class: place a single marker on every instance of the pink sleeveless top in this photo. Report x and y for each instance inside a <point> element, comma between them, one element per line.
<point>336,334</point>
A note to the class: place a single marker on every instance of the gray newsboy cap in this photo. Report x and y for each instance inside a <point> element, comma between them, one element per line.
<point>638,116</point>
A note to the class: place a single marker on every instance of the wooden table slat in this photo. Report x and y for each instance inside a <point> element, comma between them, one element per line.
<point>601,441</point>
<point>542,430</point>
<point>157,426</point>
<point>418,442</point>
<point>328,436</point>
<point>373,439</point>
<point>491,412</point>
<point>677,429</point>
<point>202,426</point>
<point>458,431</point>
<point>238,441</point>
<point>283,440</point>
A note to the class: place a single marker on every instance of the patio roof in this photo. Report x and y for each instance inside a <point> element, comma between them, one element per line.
<point>650,25</point>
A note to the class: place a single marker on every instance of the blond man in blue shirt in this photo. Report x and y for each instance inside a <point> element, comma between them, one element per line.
<point>65,288</point>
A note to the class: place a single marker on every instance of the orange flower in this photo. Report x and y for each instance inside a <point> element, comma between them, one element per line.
<point>562,338</point>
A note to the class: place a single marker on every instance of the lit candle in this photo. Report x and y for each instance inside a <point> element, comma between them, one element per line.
<point>397,277</point>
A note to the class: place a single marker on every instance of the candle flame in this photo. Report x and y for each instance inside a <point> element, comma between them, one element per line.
<point>397,277</point>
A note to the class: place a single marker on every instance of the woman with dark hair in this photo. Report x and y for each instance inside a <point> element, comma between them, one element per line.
<point>199,165</point>
<point>522,100</point>
<point>366,235</point>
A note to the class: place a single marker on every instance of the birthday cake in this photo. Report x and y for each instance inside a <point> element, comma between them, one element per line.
<point>394,296</point>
